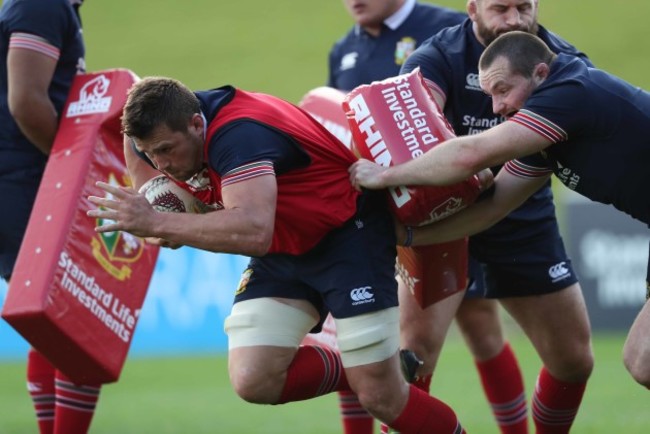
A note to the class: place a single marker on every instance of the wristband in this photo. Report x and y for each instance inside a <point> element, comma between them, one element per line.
<point>409,236</point>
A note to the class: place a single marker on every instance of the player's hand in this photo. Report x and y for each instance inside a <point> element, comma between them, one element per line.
<point>126,210</point>
<point>365,173</point>
<point>486,178</point>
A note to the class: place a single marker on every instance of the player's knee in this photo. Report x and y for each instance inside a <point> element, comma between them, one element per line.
<point>368,338</point>
<point>256,390</point>
<point>256,374</point>
<point>573,366</point>
<point>637,366</point>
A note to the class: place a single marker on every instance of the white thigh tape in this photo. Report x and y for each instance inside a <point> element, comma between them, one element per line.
<point>264,321</point>
<point>368,338</point>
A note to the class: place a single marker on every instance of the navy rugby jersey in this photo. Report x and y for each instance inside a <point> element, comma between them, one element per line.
<point>252,134</point>
<point>359,58</point>
<point>51,27</point>
<point>598,125</point>
<point>450,60</point>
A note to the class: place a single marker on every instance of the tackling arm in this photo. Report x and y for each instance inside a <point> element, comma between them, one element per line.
<point>510,191</point>
<point>454,160</point>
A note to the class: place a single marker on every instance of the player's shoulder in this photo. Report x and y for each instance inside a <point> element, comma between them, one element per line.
<point>33,8</point>
<point>557,44</point>
<point>344,41</point>
<point>437,17</point>
<point>450,40</point>
<point>37,16</point>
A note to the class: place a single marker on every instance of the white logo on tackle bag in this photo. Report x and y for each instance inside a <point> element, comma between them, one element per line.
<point>362,295</point>
<point>558,271</point>
<point>349,61</point>
<point>92,98</point>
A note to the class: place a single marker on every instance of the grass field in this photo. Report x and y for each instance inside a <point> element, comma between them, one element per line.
<point>193,396</point>
<point>280,47</point>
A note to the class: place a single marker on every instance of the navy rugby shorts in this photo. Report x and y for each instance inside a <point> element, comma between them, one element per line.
<point>350,272</point>
<point>535,266</point>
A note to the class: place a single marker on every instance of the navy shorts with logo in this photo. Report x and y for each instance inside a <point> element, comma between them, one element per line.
<point>350,272</point>
<point>540,265</point>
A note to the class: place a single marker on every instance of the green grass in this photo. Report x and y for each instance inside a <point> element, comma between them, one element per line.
<point>281,46</point>
<point>193,395</point>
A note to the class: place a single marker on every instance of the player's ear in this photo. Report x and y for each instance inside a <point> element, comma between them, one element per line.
<point>197,122</point>
<point>540,72</point>
<point>471,9</point>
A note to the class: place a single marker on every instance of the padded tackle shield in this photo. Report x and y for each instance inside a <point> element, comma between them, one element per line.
<point>394,121</point>
<point>75,295</point>
<point>324,104</point>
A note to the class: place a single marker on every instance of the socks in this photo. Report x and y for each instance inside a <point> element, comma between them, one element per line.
<point>40,384</point>
<point>75,405</point>
<point>426,414</point>
<point>504,387</point>
<point>314,371</point>
<point>422,383</point>
<point>555,404</point>
<point>355,419</point>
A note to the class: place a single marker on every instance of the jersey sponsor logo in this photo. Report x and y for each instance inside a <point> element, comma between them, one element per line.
<point>403,49</point>
<point>559,271</point>
<point>476,125</point>
<point>362,295</point>
<point>349,61</point>
<point>472,82</point>
<point>567,176</point>
<point>92,98</point>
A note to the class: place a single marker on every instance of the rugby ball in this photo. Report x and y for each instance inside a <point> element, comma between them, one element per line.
<point>167,196</point>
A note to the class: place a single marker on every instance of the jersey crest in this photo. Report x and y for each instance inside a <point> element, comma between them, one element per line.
<point>403,49</point>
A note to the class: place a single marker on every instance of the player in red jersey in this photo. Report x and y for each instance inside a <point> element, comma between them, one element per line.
<point>317,245</point>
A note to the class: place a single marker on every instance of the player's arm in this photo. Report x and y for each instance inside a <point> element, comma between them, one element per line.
<point>510,191</point>
<point>454,160</point>
<point>29,73</point>
<point>244,226</point>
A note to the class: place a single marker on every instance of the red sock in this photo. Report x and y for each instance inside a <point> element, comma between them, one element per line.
<point>426,414</point>
<point>314,371</point>
<point>422,383</point>
<point>503,385</point>
<point>555,404</point>
<point>75,406</point>
<point>40,384</point>
<point>355,418</point>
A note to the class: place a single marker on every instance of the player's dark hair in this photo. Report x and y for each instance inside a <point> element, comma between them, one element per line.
<point>155,101</point>
<point>521,49</point>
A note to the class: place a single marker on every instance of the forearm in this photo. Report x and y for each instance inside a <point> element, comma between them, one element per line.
<point>472,220</point>
<point>448,163</point>
<point>223,231</point>
<point>37,120</point>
